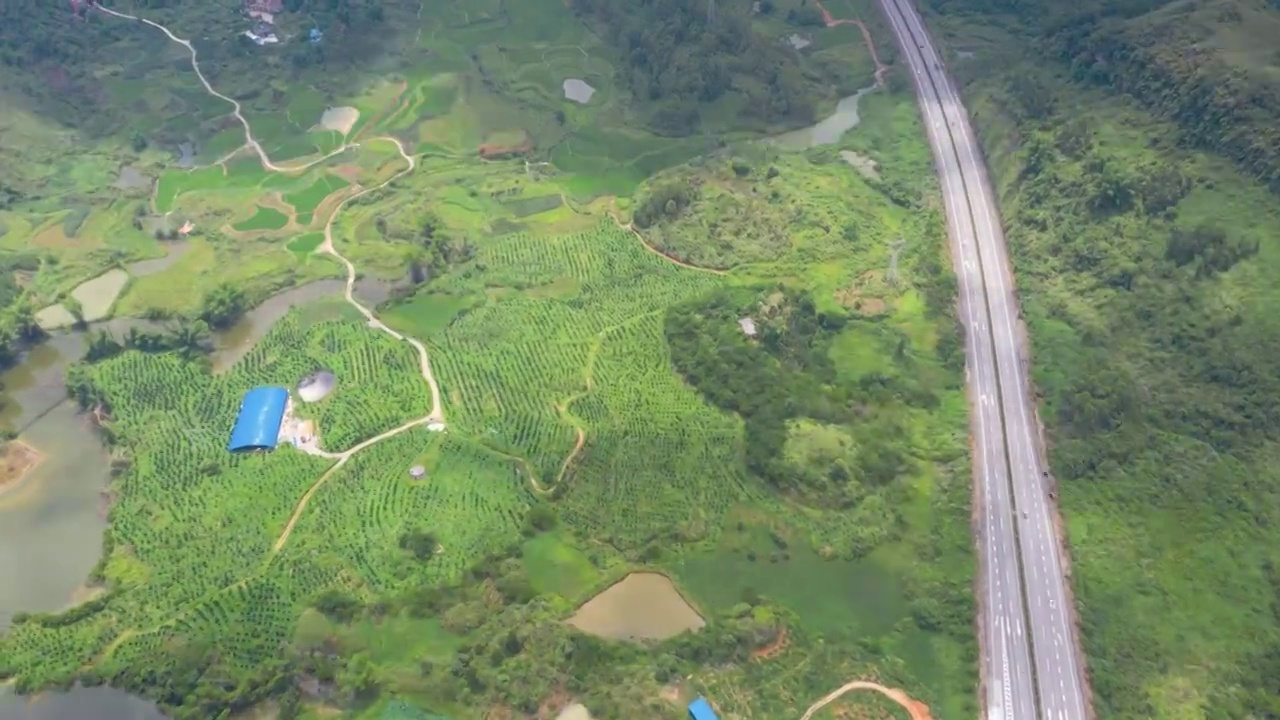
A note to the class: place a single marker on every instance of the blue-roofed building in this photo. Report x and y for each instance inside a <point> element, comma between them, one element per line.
<point>315,35</point>
<point>700,709</point>
<point>258,424</point>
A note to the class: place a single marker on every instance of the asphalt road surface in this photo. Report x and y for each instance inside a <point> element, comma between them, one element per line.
<point>1024,600</point>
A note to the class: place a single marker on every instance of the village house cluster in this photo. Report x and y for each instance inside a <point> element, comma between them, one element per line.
<point>263,14</point>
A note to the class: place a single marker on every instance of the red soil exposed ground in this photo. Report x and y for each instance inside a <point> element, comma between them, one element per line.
<point>774,648</point>
<point>494,151</point>
<point>916,709</point>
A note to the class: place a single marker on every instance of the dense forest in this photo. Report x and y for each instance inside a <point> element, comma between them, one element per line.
<point>680,54</point>
<point>52,59</point>
<point>1165,54</point>
<point>788,375</point>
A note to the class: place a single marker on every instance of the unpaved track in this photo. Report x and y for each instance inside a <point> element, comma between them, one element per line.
<point>248,133</point>
<point>831,21</point>
<point>916,709</point>
<point>435,419</point>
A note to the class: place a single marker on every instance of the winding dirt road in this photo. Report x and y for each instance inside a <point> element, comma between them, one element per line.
<point>435,419</point>
<point>235,105</point>
<point>916,709</point>
<point>831,21</point>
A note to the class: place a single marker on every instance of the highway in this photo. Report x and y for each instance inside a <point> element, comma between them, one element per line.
<point>1031,664</point>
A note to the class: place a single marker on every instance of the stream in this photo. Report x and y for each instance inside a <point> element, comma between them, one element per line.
<point>828,130</point>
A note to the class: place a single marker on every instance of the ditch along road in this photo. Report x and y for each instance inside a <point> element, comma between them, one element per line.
<point>1031,663</point>
<point>434,419</point>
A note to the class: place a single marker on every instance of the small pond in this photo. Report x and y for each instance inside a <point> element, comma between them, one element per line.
<point>578,90</point>
<point>131,177</point>
<point>798,41</point>
<point>173,251</point>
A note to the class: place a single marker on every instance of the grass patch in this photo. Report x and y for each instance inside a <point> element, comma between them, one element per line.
<point>556,566</point>
<point>524,207</point>
<point>304,245</point>
<point>307,200</point>
<point>426,314</point>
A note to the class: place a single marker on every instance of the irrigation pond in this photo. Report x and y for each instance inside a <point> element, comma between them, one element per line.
<point>642,606</point>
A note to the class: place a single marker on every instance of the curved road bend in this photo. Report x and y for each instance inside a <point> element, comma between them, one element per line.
<point>1022,583</point>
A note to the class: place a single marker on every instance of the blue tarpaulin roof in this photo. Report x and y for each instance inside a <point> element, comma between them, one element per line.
<point>700,709</point>
<point>258,424</point>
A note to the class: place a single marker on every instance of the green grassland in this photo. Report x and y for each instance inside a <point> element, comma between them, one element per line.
<point>1145,270</point>
<point>263,218</point>
<point>605,412</point>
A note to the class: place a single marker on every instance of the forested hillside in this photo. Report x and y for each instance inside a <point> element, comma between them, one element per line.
<point>681,53</point>
<point>1133,175</point>
<point>61,65</point>
<point>1211,67</point>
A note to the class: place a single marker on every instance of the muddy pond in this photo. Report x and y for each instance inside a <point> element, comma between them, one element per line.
<point>51,522</point>
<point>642,606</point>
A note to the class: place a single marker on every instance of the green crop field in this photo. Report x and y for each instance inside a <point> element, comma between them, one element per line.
<point>264,218</point>
<point>580,274</point>
<point>305,244</point>
<point>305,201</point>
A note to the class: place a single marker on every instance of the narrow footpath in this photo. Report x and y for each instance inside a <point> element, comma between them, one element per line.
<point>433,420</point>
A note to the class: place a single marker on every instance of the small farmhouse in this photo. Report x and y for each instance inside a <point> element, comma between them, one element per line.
<point>262,33</point>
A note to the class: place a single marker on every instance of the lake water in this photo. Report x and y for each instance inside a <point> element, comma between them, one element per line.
<point>51,525</point>
<point>80,704</point>
<point>829,130</point>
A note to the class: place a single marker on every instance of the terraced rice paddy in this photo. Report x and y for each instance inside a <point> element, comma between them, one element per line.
<point>95,298</point>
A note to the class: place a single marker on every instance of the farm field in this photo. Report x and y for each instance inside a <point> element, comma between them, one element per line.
<point>718,371</point>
